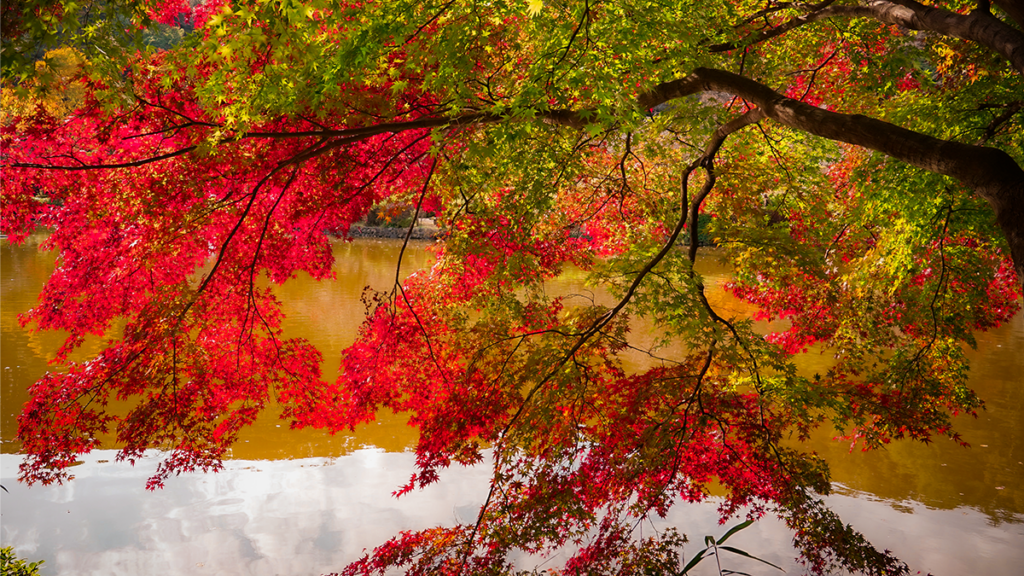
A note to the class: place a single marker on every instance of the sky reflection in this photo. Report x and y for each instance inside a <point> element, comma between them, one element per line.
<point>315,515</point>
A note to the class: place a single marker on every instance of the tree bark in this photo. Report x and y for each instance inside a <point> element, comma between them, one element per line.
<point>1013,8</point>
<point>979,26</point>
<point>990,172</point>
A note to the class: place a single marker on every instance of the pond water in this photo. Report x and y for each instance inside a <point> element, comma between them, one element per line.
<point>303,502</point>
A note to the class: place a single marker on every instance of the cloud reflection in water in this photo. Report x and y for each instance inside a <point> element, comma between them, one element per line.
<point>315,515</point>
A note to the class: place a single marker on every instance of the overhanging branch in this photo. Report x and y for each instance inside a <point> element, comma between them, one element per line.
<point>338,137</point>
<point>990,172</point>
<point>979,26</point>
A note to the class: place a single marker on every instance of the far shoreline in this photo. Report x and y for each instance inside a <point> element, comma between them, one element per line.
<point>422,231</point>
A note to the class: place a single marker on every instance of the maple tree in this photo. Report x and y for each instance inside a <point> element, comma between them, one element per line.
<point>858,163</point>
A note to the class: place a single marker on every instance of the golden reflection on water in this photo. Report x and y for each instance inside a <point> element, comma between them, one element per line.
<point>328,314</point>
<point>986,477</point>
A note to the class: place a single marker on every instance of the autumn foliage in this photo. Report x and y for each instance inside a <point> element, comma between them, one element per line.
<point>223,145</point>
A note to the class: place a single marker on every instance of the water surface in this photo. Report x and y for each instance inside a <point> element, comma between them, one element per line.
<point>304,502</point>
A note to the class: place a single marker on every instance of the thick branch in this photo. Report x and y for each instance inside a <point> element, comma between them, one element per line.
<point>1013,8</point>
<point>978,26</point>
<point>990,172</point>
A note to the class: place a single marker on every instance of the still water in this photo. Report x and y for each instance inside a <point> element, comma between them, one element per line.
<point>303,502</point>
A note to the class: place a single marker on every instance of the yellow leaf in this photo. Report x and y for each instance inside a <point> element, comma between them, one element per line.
<point>534,6</point>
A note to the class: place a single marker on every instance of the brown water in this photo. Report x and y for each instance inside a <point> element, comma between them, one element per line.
<point>300,502</point>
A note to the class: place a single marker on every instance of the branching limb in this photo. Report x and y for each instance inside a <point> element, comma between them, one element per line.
<point>706,160</point>
<point>990,131</point>
<point>82,167</point>
<point>398,271</point>
<point>338,138</point>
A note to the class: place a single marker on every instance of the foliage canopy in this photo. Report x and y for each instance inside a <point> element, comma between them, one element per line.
<point>857,162</point>
<point>11,565</point>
